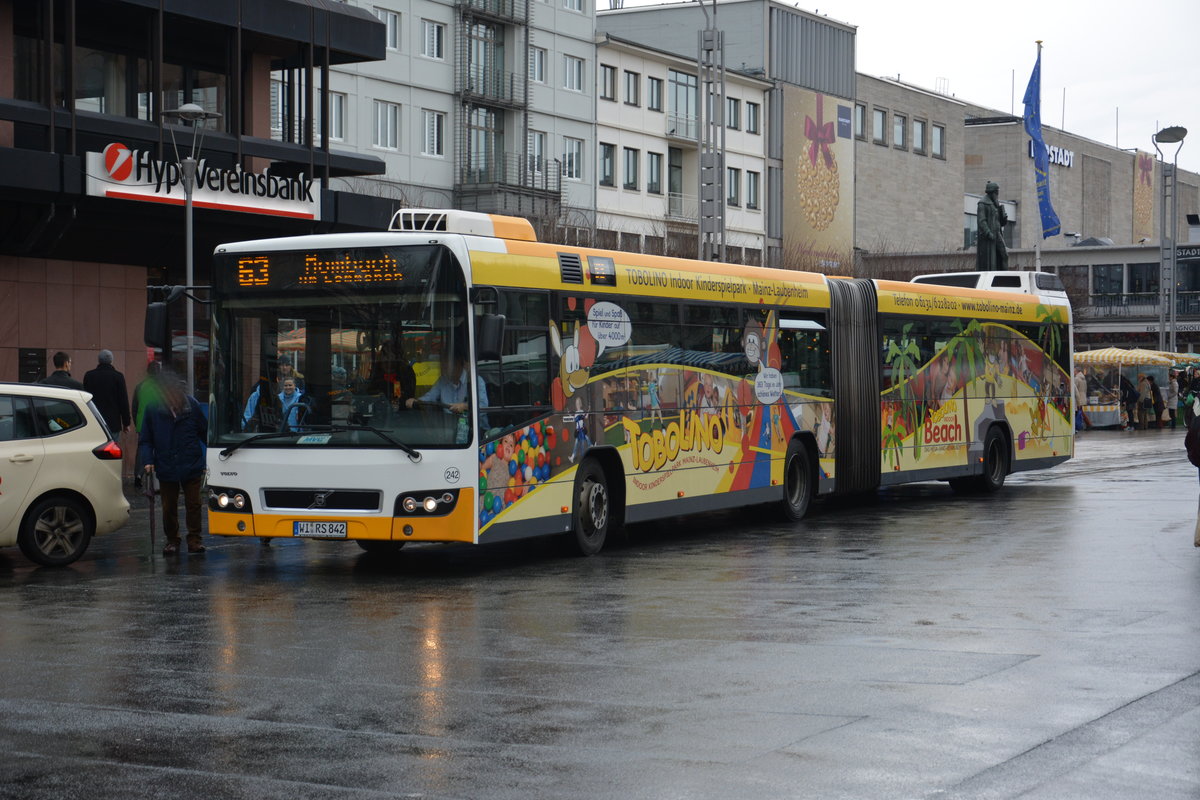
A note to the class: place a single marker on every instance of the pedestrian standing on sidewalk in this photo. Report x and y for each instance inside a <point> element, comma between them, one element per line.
<point>1191,443</point>
<point>109,393</point>
<point>1080,384</point>
<point>62,373</point>
<point>1156,400</point>
<point>147,394</point>
<point>172,448</point>
<point>1172,396</point>
<point>1145,402</point>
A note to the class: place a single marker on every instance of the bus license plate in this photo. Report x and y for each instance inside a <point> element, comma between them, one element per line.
<point>322,530</point>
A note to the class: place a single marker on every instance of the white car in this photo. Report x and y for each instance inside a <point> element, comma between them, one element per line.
<point>60,472</point>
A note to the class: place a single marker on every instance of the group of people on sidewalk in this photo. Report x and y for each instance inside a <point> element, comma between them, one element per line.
<point>172,431</point>
<point>1147,404</point>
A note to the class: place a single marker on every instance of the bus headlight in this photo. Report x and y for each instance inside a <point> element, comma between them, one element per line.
<point>223,499</point>
<point>426,504</point>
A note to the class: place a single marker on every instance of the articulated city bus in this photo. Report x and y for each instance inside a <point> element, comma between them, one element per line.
<point>455,380</point>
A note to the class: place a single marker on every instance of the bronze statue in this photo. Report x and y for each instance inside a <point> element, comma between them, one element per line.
<point>990,252</point>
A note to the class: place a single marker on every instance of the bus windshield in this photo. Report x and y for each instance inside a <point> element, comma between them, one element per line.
<point>340,348</point>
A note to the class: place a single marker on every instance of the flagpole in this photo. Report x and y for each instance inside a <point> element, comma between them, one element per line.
<point>1037,246</point>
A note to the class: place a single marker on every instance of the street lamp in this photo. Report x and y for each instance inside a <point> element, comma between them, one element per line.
<point>1173,134</point>
<point>193,113</point>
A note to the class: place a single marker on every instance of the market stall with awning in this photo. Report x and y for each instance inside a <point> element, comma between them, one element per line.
<point>1103,370</point>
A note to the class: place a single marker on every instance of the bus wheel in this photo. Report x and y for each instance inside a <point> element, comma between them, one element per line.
<point>797,481</point>
<point>380,547</point>
<point>995,467</point>
<point>592,508</point>
<point>995,462</point>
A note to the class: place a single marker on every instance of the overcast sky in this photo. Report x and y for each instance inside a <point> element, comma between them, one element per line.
<point>1137,63</point>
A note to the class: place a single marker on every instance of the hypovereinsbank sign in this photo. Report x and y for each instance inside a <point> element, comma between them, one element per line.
<point>123,174</point>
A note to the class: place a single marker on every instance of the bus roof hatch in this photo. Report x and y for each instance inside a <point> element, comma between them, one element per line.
<point>473,223</point>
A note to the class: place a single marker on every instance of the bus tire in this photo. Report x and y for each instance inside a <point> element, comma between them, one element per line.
<point>380,547</point>
<point>593,508</point>
<point>797,481</point>
<point>995,467</point>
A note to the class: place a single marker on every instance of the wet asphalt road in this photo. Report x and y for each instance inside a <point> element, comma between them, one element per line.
<point>1041,643</point>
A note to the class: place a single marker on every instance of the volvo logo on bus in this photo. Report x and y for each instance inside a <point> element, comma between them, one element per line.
<point>319,498</point>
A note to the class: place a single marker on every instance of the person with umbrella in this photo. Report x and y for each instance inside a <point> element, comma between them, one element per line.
<point>173,450</point>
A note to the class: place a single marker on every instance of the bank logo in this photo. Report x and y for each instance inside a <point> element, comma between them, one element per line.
<point>118,160</point>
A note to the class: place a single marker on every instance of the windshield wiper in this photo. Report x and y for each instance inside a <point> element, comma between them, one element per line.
<point>408,450</point>
<point>258,437</point>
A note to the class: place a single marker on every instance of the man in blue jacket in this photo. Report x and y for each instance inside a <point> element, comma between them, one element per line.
<point>172,447</point>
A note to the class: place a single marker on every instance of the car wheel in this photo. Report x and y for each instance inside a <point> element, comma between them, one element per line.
<point>56,531</point>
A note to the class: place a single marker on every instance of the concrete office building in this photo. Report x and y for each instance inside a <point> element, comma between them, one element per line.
<point>809,195</point>
<point>648,157</point>
<point>1108,200</point>
<point>485,105</point>
<point>85,224</point>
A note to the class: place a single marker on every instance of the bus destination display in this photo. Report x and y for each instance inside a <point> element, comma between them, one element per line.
<point>279,271</point>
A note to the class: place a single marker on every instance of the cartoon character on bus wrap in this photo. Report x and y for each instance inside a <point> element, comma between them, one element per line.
<point>761,412</point>
<point>513,466</point>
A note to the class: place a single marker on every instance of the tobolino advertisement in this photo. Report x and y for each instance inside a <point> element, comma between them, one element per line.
<point>818,180</point>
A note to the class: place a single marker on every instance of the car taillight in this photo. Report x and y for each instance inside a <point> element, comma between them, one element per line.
<point>109,451</point>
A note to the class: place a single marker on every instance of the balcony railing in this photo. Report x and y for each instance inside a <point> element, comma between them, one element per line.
<point>514,170</point>
<point>513,10</point>
<point>1139,304</point>
<point>683,126</point>
<point>682,206</point>
<point>492,86</point>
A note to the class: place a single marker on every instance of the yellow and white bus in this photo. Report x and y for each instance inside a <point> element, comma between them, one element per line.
<point>598,388</point>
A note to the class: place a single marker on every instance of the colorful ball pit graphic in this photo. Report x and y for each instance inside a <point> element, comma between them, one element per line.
<point>514,466</point>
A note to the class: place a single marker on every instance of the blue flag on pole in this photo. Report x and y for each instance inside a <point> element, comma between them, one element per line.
<point>1041,159</point>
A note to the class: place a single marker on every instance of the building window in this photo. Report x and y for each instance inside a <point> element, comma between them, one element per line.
<point>573,73</point>
<point>733,181</point>
<point>337,116</point>
<point>685,105</point>
<point>632,157</point>
<point>537,152</point>
<point>654,162</point>
<point>733,113</point>
<point>572,167</point>
<point>900,131</point>
<point>433,40</point>
<point>654,94</point>
<point>387,125</point>
<point>938,144</point>
<point>860,121</point>
<point>919,136</point>
<point>537,64</point>
<point>1108,279</point>
<point>1143,280</point>
<point>608,158</point>
<point>391,21</point>
<point>573,5</point>
<point>434,140</point>
<point>633,82</point>
<point>608,82</point>
<point>752,189</point>
<point>879,126</point>
<point>752,118</point>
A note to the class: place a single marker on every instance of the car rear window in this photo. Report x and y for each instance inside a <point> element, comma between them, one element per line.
<point>16,419</point>
<point>55,416</point>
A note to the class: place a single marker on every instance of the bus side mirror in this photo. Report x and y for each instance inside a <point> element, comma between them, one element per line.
<point>489,337</point>
<point>156,325</point>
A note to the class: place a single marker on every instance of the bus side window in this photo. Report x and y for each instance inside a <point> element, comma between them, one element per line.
<point>518,384</point>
